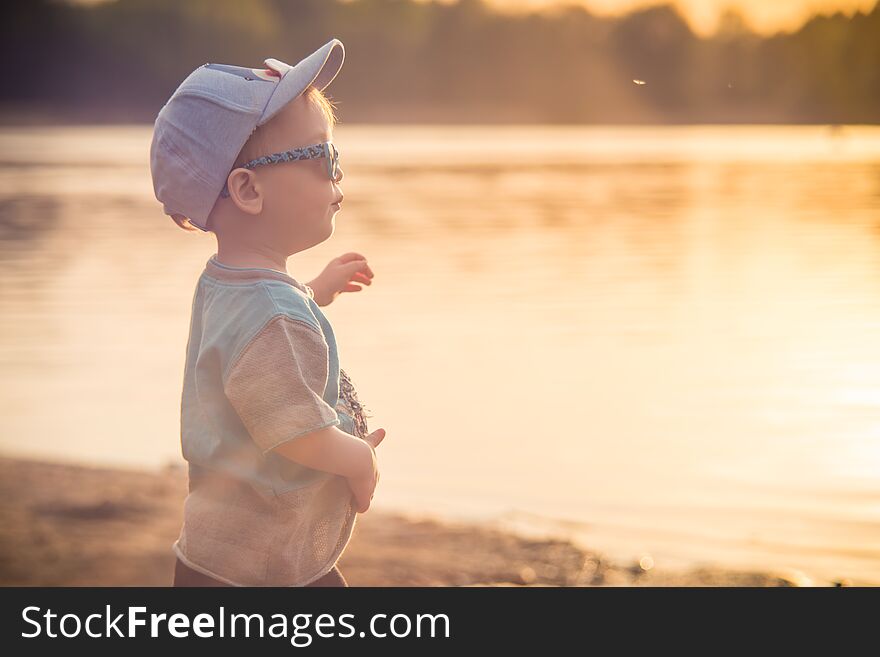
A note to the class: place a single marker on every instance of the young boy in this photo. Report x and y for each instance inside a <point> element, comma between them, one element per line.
<point>276,441</point>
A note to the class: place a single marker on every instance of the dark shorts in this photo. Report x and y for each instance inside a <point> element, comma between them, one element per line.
<point>186,576</point>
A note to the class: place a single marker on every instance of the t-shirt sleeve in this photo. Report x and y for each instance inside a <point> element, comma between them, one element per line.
<point>276,385</point>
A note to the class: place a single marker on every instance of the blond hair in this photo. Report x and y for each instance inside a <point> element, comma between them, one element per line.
<point>255,146</point>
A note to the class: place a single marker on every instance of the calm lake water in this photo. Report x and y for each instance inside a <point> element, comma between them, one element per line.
<point>658,341</point>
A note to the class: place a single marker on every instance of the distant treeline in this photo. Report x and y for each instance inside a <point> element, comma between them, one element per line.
<point>432,62</point>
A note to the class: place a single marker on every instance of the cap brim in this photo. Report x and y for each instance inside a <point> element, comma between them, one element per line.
<point>318,69</point>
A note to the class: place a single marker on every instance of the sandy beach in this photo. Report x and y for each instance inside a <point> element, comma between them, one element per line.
<point>72,525</point>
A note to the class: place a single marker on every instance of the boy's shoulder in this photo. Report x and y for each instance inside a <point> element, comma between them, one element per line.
<point>234,315</point>
<point>255,303</point>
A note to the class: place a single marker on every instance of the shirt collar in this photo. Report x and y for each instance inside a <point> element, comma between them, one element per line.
<point>216,269</point>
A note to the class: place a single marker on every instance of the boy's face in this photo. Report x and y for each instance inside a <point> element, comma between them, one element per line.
<point>287,206</point>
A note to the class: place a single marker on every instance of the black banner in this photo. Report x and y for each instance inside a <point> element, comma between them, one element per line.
<point>278,620</point>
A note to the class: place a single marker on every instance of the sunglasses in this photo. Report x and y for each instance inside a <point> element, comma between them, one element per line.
<point>324,149</point>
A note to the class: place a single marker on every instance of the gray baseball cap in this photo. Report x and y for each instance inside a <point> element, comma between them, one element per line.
<point>200,131</point>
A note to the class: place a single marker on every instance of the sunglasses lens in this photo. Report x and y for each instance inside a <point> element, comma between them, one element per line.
<point>334,163</point>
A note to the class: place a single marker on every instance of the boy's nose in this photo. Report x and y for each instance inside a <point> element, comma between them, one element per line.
<point>339,174</point>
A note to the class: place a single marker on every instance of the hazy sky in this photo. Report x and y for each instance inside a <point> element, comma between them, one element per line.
<point>764,16</point>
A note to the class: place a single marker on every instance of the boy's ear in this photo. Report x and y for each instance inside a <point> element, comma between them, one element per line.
<point>245,190</point>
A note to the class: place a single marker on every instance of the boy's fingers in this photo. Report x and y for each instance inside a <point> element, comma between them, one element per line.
<point>376,437</point>
<point>351,255</point>
<point>356,265</point>
<point>361,277</point>
<point>359,265</point>
<point>354,256</point>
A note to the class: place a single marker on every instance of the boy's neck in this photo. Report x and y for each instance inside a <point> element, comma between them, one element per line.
<point>248,257</point>
<point>218,269</point>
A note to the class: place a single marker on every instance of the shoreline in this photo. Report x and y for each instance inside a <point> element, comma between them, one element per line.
<point>79,525</point>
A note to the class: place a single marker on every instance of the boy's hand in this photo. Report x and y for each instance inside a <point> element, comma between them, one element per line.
<point>363,485</point>
<point>340,275</point>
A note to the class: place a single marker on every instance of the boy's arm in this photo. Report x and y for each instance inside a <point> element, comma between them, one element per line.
<point>276,386</point>
<point>329,449</point>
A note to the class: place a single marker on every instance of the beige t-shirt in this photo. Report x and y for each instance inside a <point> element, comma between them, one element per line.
<point>262,369</point>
